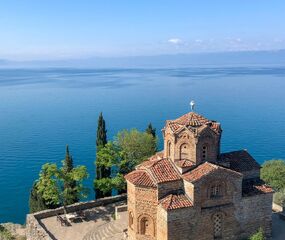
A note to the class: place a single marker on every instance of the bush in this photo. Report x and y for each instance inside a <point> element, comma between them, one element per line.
<point>273,173</point>
<point>5,234</point>
<point>258,236</point>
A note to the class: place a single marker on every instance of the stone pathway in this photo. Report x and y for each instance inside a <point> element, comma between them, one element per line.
<point>114,230</point>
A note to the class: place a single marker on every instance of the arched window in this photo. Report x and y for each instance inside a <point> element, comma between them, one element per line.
<point>204,152</point>
<point>215,191</point>
<point>145,228</point>
<point>131,220</point>
<point>218,225</point>
<point>169,149</point>
<point>184,151</point>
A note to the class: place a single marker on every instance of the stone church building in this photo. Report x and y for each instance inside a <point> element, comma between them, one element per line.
<point>193,191</point>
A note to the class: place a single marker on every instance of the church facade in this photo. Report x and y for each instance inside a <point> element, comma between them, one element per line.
<point>193,191</point>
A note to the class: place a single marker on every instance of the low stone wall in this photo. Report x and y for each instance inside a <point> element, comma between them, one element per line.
<point>35,230</point>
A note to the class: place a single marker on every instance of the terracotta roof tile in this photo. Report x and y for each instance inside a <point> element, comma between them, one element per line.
<point>203,170</point>
<point>172,202</point>
<point>192,120</point>
<point>254,188</point>
<point>239,161</point>
<point>140,178</point>
<point>184,163</point>
<point>162,170</point>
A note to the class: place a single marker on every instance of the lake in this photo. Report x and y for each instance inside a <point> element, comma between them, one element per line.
<point>42,110</point>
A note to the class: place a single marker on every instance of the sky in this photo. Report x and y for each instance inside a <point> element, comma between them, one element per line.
<point>63,29</point>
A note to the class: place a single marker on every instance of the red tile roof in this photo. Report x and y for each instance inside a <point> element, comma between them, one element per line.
<point>240,161</point>
<point>203,170</point>
<point>161,170</point>
<point>252,189</point>
<point>140,178</point>
<point>172,202</point>
<point>184,163</point>
<point>192,119</point>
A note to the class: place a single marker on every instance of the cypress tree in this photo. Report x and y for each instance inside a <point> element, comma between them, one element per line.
<point>101,141</point>
<point>69,184</point>
<point>68,161</point>
<point>151,130</point>
<point>101,132</point>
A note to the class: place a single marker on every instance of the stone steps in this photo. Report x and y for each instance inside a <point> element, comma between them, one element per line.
<point>109,231</point>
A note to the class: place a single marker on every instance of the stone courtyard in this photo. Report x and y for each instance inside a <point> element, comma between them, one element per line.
<point>101,225</point>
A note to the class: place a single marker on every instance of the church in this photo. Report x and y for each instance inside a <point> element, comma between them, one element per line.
<point>191,190</point>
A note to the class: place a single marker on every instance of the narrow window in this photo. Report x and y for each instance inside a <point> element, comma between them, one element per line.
<point>169,149</point>
<point>184,151</point>
<point>204,153</point>
<point>131,220</point>
<point>215,191</point>
<point>217,222</point>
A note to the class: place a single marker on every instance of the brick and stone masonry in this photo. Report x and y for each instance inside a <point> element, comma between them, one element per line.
<point>192,191</point>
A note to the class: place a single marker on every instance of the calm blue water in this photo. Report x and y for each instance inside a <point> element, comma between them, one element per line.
<point>43,110</point>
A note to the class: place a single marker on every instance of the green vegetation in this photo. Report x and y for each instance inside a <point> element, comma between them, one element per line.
<point>151,130</point>
<point>36,201</point>
<point>258,236</point>
<point>127,150</point>
<point>68,181</point>
<point>273,173</point>
<point>5,234</point>
<point>103,171</point>
<point>58,186</point>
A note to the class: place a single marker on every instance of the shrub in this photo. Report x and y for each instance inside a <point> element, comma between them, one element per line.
<point>273,173</point>
<point>258,236</point>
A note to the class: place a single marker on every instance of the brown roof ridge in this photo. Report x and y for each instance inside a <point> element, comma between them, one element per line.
<point>175,201</point>
<point>174,166</point>
<point>140,177</point>
<point>151,175</point>
<point>222,167</point>
<point>205,169</point>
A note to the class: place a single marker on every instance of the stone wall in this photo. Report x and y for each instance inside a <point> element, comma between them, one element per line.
<point>255,212</point>
<point>35,230</point>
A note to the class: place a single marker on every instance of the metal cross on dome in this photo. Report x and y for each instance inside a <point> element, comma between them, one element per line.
<point>192,104</point>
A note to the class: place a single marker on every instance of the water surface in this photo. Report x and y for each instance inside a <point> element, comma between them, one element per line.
<point>42,110</point>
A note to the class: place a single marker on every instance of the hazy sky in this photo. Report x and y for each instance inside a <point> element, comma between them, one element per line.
<point>38,29</point>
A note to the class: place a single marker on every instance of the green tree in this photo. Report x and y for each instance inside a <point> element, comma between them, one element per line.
<point>129,149</point>
<point>69,183</point>
<point>102,170</point>
<point>101,132</point>
<point>258,236</point>
<point>273,173</point>
<point>151,130</point>
<point>36,201</point>
<point>135,148</point>
<point>54,185</point>
<point>107,157</point>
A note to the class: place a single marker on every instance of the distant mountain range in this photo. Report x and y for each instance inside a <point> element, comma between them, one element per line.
<point>177,60</point>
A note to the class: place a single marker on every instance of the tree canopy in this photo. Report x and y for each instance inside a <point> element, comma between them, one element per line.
<point>273,173</point>
<point>128,149</point>
<point>151,130</point>
<point>135,147</point>
<point>58,186</point>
